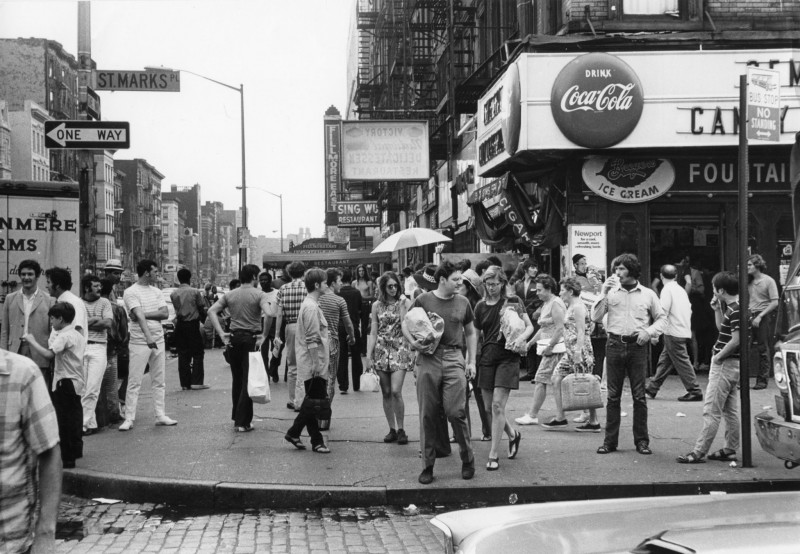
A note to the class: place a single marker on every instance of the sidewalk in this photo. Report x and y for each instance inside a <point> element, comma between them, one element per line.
<point>203,463</point>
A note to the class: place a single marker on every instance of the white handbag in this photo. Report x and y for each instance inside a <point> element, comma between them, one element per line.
<point>559,347</point>
<point>257,380</point>
<point>370,382</point>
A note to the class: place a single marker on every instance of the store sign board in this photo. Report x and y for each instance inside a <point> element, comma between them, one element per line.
<point>690,99</point>
<point>358,214</point>
<point>597,100</point>
<point>499,120</point>
<point>385,151</point>
<point>628,180</point>
<point>763,104</point>
<point>591,242</point>
<point>333,151</point>
<point>722,175</point>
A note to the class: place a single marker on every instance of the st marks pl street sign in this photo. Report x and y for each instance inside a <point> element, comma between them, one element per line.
<point>150,80</point>
<point>763,104</point>
<point>87,135</point>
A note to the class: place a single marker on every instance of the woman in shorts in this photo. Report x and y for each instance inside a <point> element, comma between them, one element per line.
<point>551,332</point>
<point>499,366</point>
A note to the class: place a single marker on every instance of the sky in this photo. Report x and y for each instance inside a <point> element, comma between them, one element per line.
<point>291,57</point>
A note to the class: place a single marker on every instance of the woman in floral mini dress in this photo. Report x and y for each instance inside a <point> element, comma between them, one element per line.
<point>389,354</point>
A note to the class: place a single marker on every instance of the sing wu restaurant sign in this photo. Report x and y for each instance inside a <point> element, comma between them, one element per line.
<point>573,101</point>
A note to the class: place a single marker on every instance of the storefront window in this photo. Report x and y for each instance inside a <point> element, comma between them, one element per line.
<point>627,234</point>
<point>784,232</point>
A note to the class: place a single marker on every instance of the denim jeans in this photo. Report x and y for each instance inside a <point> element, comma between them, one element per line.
<point>626,360</point>
<point>191,363</point>
<point>763,336</point>
<point>721,401</point>
<point>242,343</point>
<point>675,355</point>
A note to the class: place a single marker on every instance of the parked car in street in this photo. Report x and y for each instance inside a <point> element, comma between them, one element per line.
<point>715,523</point>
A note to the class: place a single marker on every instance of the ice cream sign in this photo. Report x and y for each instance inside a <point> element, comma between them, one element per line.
<point>628,180</point>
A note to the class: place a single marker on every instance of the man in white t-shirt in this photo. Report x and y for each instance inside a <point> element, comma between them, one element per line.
<point>146,309</point>
<point>59,283</point>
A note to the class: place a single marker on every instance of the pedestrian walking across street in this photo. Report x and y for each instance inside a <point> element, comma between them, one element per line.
<point>290,298</point>
<point>678,334</point>
<point>348,368</point>
<point>190,314</point>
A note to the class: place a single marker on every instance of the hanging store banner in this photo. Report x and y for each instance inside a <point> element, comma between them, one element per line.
<point>689,99</point>
<point>358,214</point>
<point>333,153</point>
<point>499,121</point>
<point>385,151</point>
<point>628,180</point>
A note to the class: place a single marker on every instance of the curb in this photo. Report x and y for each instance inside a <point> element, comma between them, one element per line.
<point>226,496</point>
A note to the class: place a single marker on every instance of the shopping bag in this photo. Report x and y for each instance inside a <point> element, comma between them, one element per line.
<point>257,381</point>
<point>581,391</point>
<point>369,382</point>
<point>426,328</point>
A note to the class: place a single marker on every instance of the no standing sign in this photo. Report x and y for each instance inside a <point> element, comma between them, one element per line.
<point>763,104</point>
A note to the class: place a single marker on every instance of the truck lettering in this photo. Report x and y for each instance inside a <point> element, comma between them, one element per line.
<point>18,245</point>
<point>19,224</point>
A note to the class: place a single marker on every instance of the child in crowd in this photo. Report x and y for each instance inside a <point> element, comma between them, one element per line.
<point>66,345</point>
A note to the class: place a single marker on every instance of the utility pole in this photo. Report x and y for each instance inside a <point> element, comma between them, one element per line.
<point>85,157</point>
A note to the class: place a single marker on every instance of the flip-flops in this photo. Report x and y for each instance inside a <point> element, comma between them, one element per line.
<point>298,444</point>
<point>690,458</point>
<point>722,456</point>
<point>513,446</point>
<point>493,464</point>
<point>321,449</point>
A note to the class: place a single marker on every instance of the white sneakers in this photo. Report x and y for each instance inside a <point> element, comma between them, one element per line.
<point>127,425</point>
<point>166,421</point>
<point>582,418</point>
<point>527,420</point>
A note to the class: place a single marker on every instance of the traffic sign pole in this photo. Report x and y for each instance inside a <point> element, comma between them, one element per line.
<point>744,320</point>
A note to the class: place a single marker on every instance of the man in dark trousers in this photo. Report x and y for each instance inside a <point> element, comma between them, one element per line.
<point>353,300</point>
<point>248,307</point>
<point>275,362</point>
<point>526,289</point>
<point>190,314</point>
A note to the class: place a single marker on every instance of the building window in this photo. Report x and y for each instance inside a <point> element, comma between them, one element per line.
<point>656,12</point>
<point>650,7</point>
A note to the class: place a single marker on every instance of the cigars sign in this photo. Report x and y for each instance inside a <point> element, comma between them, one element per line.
<point>597,100</point>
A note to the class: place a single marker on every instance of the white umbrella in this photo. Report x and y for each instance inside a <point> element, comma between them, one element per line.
<point>410,238</point>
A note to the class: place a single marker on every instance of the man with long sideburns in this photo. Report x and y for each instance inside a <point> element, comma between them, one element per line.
<point>634,318</point>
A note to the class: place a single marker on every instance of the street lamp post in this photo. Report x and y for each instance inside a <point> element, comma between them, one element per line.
<point>279,197</point>
<point>240,90</point>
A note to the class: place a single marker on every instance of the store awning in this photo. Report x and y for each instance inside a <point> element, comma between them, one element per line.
<point>328,259</point>
<point>505,213</point>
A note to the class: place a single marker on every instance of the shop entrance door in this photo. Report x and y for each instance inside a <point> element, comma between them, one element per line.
<point>674,236</point>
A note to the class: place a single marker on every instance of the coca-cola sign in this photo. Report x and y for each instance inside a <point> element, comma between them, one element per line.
<point>597,100</point>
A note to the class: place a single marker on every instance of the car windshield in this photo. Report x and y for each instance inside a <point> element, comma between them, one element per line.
<point>789,309</point>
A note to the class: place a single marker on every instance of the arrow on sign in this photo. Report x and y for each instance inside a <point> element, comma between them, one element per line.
<point>764,133</point>
<point>87,134</point>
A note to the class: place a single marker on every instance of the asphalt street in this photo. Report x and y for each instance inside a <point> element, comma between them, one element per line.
<point>203,463</point>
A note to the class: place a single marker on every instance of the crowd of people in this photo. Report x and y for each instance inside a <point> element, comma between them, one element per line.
<point>65,359</point>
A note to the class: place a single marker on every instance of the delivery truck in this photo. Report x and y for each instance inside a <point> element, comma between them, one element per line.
<point>39,221</point>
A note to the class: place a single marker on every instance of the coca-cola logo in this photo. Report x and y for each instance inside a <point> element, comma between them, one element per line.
<point>597,100</point>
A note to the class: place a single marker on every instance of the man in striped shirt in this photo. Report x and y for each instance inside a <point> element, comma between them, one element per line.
<point>290,297</point>
<point>722,398</point>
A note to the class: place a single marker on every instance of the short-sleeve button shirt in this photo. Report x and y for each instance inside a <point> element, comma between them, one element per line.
<point>290,297</point>
<point>28,427</point>
<point>149,299</point>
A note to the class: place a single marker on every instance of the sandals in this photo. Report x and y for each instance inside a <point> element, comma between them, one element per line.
<point>513,446</point>
<point>486,438</point>
<point>722,456</point>
<point>690,458</point>
<point>298,444</point>
<point>321,449</point>
<point>493,464</point>
<point>606,449</point>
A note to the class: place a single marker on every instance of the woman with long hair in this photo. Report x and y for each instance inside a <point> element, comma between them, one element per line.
<point>366,286</point>
<point>388,353</point>
<point>499,363</point>
<point>551,329</point>
<point>579,356</point>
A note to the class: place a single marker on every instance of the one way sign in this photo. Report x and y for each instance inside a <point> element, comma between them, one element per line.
<point>88,135</point>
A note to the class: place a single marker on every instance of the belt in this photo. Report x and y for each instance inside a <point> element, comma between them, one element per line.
<point>94,342</point>
<point>448,347</point>
<point>624,339</point>
<point>244,332</point>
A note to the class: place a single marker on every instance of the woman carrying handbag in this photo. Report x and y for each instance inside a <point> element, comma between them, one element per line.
<point>579,357</point>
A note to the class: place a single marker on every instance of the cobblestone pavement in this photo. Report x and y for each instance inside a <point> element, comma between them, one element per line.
<point>88,526</point>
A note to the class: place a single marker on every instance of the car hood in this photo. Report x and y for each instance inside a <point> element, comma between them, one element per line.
<point>712,523</point>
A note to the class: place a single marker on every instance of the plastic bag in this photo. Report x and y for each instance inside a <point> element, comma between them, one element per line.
<point>512,327</point>
<point>257,381</point>
<point>427,328</point>
<point>370,382</point>
<point>541,346</point>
